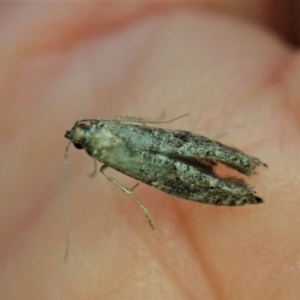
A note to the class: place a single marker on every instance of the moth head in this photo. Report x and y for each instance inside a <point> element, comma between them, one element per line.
<point>77,135</point>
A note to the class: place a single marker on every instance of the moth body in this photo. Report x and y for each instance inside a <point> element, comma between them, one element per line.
<point>174,161</point>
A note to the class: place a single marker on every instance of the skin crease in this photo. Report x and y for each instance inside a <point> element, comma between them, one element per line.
<point>65,62</point>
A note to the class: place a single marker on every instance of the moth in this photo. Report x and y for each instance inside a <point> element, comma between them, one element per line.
<point>177,162</point>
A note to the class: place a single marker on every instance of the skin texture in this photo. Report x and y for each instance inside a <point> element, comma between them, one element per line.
<point>233,68</point>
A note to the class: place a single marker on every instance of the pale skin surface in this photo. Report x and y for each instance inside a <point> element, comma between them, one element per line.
<point>64,62</point>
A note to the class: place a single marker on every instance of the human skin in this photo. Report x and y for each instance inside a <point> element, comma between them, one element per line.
<point>65,62</point>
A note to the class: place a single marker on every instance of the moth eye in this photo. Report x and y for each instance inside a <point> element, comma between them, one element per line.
<point>78,146</point>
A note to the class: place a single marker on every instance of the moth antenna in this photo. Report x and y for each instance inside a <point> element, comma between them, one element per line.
<point>145,121</point>
<point>66,202</point>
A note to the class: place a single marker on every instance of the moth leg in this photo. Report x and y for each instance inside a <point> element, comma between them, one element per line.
<point>134,186</point>
<point>219,135</point>
<point>129,193</point>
